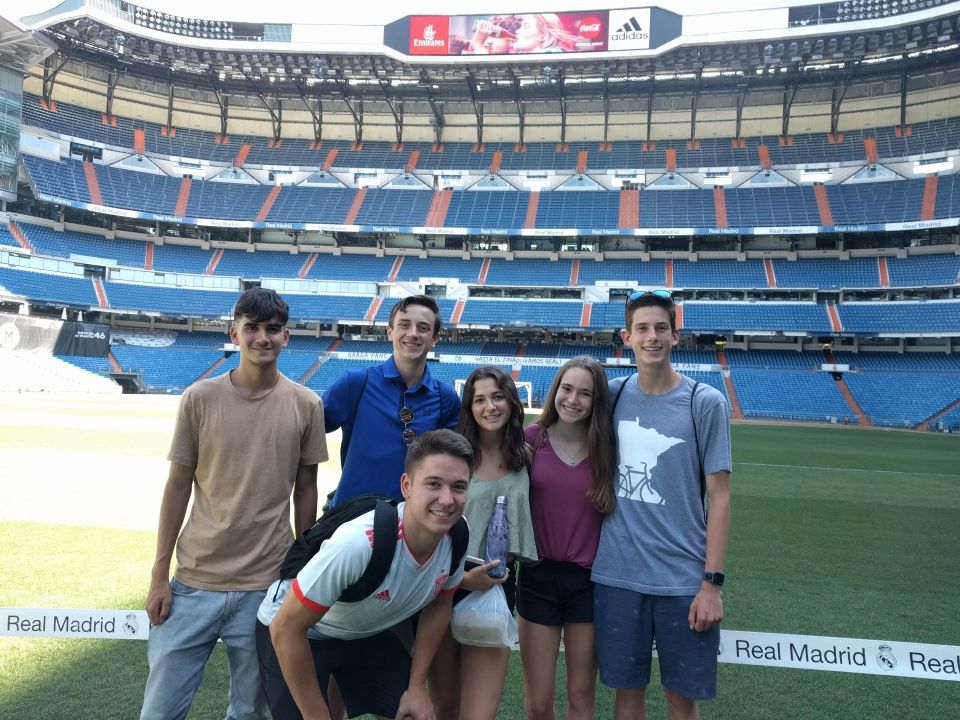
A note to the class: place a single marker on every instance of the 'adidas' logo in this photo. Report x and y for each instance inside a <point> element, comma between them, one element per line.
<point>383,595</point>
<point>631,30</point>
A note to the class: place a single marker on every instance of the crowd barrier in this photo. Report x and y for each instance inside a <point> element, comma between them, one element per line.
<point>738,647</point>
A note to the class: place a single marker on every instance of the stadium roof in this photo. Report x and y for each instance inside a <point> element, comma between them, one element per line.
<point>21,48</point>
<point>831,49</point>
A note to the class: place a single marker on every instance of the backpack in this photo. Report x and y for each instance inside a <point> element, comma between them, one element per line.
<point>384,542</point>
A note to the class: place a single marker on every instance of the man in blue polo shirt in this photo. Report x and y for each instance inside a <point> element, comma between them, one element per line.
<point>382,409</point>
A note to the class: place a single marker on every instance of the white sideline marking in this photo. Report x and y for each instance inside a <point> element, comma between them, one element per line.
<point>843,469</point>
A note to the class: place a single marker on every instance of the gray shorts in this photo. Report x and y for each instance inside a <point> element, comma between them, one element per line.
<point>628,625</point>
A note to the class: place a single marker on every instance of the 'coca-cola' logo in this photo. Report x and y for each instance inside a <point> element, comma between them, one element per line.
<point>590,27</point>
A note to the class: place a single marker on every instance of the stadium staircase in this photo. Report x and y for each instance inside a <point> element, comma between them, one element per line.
<point>862,419</point>
<point>679,317</point>
<point>629,212</point>
<point>771,274</point>
<point>371,313</point>
<point>457,312</point>
<point>736,412</point>
<point>929,203</point>
<point>533,203</point>
<point>925,425</point>
<point>395,269</point>
<point>484,271</point>
<point>835,324</point>
<point>763,153</point>
<point>671,157</point>
<point>93,185</point>
<point>870,150</point>
<point>883,271</point>
<point>582,161</point>
<point>148,249</point>
<point>114,363</point>
<point>496,161</point>
<point>439,205</point>
<point>585,315</point>
<point>139,141</point>
<point>330,159</point>
<point>183,197</point>
<point>574,273</point>
<point>720,207</point>
<point>242,154</point>
<point>317,364</point>
<point>412,162</point>
<point>823,205</point>
<point>355,207</point>
<point>21,238</point>
<point>211,370</point>
<point>214,261</point>
<point>268,203</point>
<point>307,265</point>
<point>668,273</point>
<point>100,292</point>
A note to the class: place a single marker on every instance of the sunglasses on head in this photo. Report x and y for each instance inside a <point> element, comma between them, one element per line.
<point>665,294</point>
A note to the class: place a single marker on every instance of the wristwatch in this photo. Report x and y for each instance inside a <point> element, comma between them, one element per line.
<point>716,578</point>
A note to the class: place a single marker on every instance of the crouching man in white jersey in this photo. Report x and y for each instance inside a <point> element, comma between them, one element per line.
<point>360,644</point>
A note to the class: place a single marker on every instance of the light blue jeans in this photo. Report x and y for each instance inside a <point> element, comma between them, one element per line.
<point>178,649</point>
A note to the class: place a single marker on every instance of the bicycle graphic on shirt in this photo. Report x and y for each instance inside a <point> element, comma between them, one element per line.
<point>635,483</point>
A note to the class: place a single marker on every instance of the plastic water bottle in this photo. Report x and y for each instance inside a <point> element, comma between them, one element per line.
<point>498,534</point>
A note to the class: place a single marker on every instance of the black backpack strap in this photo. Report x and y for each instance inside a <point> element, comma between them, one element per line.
<point>616,399</point>
<point>459,537</point>
<point>696,441</point>
<point>384,547</point>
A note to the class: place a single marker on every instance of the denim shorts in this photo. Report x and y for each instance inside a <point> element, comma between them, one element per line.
<point>629,625</point>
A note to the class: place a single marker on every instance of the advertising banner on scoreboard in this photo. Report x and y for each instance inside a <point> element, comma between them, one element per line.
<point>593,30</point>
<point>509,34</point>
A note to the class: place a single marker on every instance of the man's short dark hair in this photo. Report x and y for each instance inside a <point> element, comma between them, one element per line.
<point>650,300</point>
<point>260,305</point>
<point>424,300</point>
<point>438,442</point>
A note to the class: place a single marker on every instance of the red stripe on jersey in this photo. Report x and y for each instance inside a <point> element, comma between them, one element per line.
<point>451,591</point>
<point>307,602</point>
<point>370,537</point>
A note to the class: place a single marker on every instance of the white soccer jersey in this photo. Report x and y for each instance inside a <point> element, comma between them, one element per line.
<point>408,587</point>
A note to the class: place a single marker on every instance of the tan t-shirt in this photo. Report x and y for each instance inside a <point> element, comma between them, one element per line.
<point>246,454</point>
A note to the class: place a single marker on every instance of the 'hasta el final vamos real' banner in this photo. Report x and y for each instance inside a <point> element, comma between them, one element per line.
<point>802,652</point>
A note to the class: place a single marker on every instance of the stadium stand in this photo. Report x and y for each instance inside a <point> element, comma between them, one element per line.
<point>759,312</point>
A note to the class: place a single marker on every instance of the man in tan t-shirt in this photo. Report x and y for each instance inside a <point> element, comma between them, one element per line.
<point>243,442</point>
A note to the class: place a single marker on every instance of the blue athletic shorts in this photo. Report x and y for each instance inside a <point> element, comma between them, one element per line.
<point>629,624</point>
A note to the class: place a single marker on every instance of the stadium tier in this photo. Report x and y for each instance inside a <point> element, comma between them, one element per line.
<point>862,204</point>
<point>813,273</point>
<point>805,148</point>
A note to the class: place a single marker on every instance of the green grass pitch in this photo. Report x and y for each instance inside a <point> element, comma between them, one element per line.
<point>835,531</point>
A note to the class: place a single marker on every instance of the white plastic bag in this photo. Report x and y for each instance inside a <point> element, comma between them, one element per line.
<point>485,620</point>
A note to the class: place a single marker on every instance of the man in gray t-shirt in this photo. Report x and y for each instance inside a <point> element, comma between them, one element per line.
<point>659,567</point>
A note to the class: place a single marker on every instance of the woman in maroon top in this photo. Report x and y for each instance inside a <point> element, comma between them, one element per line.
<point>571,489</point>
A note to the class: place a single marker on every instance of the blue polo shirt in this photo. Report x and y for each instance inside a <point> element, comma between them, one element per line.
<point>366,405</point>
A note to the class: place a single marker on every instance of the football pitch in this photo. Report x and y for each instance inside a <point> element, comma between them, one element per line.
<point>835,532</point>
